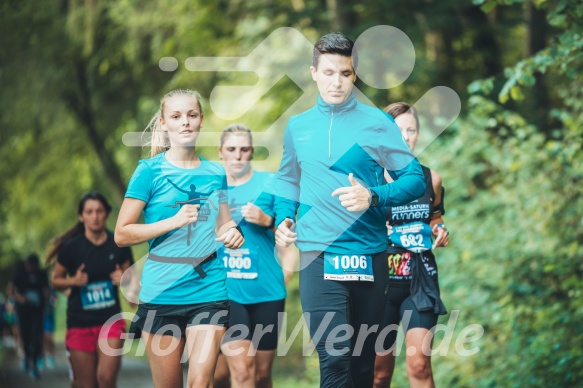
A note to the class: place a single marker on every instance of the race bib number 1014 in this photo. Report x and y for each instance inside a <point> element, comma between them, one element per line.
<point>97,295</point>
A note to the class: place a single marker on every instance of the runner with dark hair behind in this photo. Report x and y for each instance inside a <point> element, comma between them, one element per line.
<point>90,264</point>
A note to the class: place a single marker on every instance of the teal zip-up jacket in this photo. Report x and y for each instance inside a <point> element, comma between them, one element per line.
<point>321,147</point>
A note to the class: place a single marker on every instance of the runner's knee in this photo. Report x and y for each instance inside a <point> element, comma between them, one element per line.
<point>106,379</point>
<point>419,368</point>
<point>382,379</point>
<point>262,375</point>
<point>242,369</point>
<point>383,373</point>
<point>199,381</point>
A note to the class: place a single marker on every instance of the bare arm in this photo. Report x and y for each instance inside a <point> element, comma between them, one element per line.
<point>253,214</point>
<point>131,286</point>
<point>117,274</point>
<point>288,259</point>
<point>60,280</point>
<point>226,230</point>
<point>284,234</point>
<point>224,219</point>
<point>129,232</point>
<point>441,233</point>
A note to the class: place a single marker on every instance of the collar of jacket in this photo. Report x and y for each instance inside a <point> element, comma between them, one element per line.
<point>346,105</point>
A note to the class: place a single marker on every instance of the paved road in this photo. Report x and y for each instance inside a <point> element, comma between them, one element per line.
<point>135,373</point>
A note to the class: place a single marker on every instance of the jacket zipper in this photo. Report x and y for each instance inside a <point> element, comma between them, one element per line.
<point>329,134</point>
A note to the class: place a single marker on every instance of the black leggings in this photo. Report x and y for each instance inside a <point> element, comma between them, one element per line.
<point>30,321</point>
<point>262,316</point>
<point>333,305</point>
<point>400,307</point>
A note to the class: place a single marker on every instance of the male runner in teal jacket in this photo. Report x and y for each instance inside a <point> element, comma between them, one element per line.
<point>332,169</point>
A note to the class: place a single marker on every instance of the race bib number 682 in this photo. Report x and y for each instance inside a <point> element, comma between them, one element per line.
<point>414,237</point>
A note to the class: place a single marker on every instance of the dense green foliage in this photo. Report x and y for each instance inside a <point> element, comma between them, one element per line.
<point>81,73</point>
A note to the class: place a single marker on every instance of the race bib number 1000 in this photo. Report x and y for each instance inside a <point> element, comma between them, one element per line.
<point>414,237</point>
<point>239,263</point>
<point>348,267</point>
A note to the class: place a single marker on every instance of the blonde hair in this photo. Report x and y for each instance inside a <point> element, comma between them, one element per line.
<point>236,128</point>
<point>159,141</point>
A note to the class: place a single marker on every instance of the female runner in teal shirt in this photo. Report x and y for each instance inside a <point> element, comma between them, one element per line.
<point>255,280</point>
<point>183,300</point>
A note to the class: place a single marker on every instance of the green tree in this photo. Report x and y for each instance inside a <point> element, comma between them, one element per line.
<point>518,217</point>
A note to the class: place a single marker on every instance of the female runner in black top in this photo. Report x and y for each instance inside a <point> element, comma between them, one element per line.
<point>412,268</point>
<point>90,264</point>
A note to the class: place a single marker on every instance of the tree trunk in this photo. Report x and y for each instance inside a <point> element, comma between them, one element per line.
<point>342,15</point>
<point>79,101</point>
<point>484,42</point>
<point>538,102</point>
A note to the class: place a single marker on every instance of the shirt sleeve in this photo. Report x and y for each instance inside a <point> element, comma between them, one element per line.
<point>288,181</point>
<point>140,185</point>
<point>394,155</point>
<point>64,258</point>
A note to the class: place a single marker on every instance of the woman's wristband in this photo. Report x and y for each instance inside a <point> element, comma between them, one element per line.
<point>272,223</point>
<point>443,227</point>
<point>238,228</point>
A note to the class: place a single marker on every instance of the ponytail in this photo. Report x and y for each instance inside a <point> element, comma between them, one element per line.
<point>58,242</point>
<point>159,141</point>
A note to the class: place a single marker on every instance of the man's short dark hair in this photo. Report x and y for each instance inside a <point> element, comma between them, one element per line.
<point>334,43</point>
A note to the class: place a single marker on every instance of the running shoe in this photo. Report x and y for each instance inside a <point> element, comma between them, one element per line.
<point>50,362</point>
<point>34,374</point>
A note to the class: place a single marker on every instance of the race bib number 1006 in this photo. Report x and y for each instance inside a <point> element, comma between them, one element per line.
<point>348,267</point>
